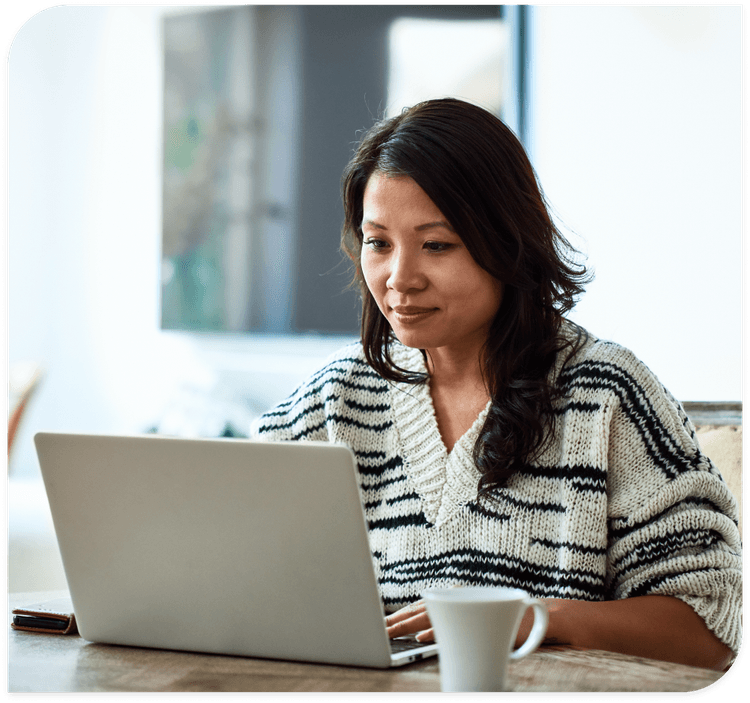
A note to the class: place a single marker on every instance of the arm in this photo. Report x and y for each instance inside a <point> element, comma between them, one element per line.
<point>658,627</point>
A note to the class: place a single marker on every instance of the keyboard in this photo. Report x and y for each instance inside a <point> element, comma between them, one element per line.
<point>403,644</point>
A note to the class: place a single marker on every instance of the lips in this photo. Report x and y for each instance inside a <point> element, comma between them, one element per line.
<point>411,309</point>
<point>411,313</point>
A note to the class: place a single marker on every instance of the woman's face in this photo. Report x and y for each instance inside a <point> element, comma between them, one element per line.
<point>424,280</point>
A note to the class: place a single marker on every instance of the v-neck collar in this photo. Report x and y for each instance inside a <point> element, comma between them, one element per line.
<point>444,480</point>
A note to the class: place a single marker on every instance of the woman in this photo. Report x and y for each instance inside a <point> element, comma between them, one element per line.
<point>497,443</point>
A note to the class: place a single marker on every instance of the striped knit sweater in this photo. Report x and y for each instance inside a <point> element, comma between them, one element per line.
<point>622,502</point>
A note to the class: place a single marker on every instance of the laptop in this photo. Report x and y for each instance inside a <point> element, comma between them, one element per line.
<point>223,546</point>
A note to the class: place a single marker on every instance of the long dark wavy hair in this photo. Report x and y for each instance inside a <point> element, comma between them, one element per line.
<point>475,170</point>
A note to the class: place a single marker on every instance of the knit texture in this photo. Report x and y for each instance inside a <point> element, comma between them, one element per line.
<point>621,503</point>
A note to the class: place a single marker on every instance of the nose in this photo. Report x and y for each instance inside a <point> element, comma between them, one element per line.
<point>405,272</point>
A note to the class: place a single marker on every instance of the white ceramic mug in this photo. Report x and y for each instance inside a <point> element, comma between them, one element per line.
<point>475,629</point>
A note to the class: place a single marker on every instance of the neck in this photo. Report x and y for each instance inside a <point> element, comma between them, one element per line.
<point>455,367</point>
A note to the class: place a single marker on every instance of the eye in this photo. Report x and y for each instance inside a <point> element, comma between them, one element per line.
<point>374,243</point>
<point>437,247</point>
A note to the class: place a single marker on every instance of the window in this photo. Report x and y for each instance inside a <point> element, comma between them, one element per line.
<point>433,58</point>
<point>262,108</point>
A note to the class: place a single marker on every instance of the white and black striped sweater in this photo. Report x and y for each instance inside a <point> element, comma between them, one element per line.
<point>622,503</point>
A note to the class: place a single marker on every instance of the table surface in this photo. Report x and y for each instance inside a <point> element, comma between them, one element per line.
<point>64,663</point>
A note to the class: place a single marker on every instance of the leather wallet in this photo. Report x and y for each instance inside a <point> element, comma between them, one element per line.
<point>52,617</point>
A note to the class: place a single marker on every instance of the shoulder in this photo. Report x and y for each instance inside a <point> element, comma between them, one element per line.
<point>594,350</point>
<point>345,374</point>
<point>606,366</point>
<point>647,429</point>
<point>346,368</point>
<point>343,362</point>
<point>605,375</point>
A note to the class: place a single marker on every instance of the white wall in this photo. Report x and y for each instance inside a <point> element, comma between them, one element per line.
<point>637,144</point>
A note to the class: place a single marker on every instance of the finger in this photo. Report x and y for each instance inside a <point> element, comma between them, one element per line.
<point>416,623</point>
<point>426,636</point>
<point>406,612</point>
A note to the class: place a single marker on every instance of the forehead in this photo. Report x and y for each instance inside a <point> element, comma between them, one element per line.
<point>390,196</point>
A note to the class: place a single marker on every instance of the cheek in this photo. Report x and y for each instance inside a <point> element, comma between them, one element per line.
<point>370,273</point>
<point>479,292</point>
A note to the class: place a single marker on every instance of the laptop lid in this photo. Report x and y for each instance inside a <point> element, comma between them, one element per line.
<point>223,546</point>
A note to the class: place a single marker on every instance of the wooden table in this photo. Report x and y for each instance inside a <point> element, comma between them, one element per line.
<point>64,663</point>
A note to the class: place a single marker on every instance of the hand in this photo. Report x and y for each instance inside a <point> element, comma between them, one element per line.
<point>410,619</point>
<point>414,618</point>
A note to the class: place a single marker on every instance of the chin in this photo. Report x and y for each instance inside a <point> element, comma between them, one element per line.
<point>414,340</point>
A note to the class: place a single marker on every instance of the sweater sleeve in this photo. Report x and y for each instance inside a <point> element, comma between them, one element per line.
<point>672,520</point>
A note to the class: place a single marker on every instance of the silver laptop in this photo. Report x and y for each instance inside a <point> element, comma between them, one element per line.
<point>223,546</point>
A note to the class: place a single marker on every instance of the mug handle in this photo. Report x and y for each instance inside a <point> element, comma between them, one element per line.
<point>538,630</point>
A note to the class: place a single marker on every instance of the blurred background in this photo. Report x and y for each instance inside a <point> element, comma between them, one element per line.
<point>174,205</point>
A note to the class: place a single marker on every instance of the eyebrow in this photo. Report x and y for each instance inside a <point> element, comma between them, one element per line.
<point>418,228</point>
